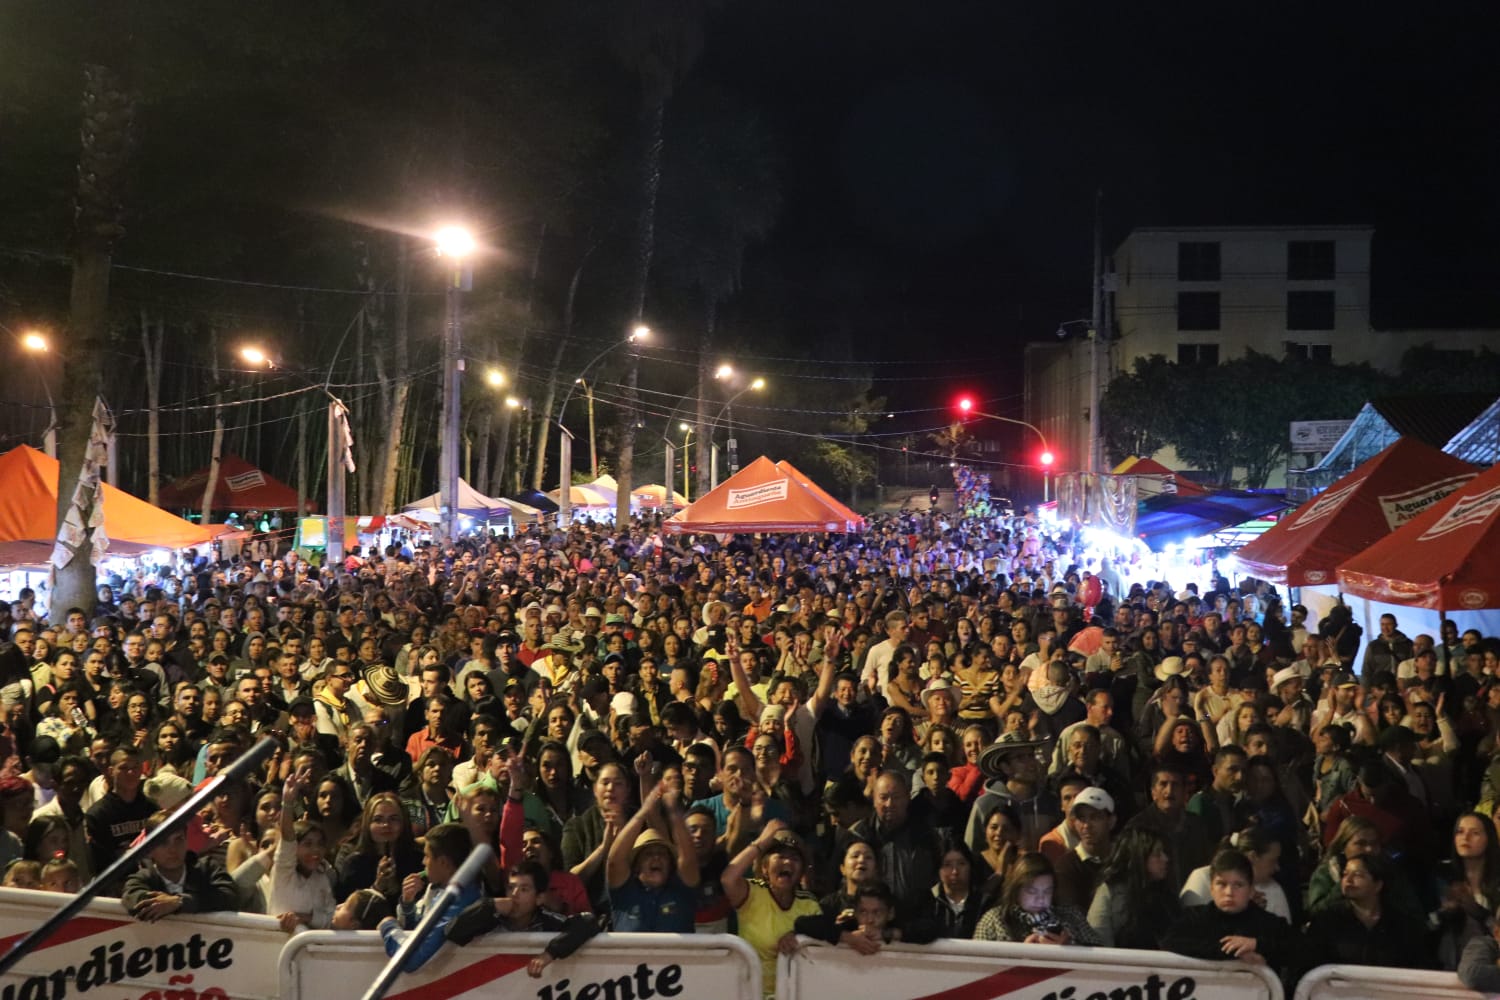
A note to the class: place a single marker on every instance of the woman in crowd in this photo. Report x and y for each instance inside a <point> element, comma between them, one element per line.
<point>1024,912</point>
<point>956,904</point>
<point>334,810</point>
<point>381,854</point>
<point>1135,902</point>
<point>898,747</point>
<point>767,907</point>
<point>1468,887</point>
<point>1362,928</point>
<point>428,792</point>
<point>859,868</point>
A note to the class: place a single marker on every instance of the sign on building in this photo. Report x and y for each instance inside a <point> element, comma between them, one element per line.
<point>1309,436</point>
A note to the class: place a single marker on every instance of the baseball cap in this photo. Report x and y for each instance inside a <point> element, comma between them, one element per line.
<point>1344,678</point>
<point>1094,798</point>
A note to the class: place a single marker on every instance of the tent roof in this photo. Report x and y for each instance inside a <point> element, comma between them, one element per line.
<point>1443,559</point>
<point>1168,518</point>
<point>822,494</point>
<point>1431,420</point>
<point>475,504</point>
<point>583,496</point>
<point>28,509</point>
<point>1151,467</point>
<point>537,499</point>
<point>761,498</point>
<point>1480,441</point>
<point>655,495</point>
<point>241,486</point>
<point>1306,547</point>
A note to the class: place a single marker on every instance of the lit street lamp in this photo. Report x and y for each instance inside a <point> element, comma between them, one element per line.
<point>724,373</point>
<point>34,343</point>
<point>340,454</point>
<point>640,333</point>
<point>495,377</point>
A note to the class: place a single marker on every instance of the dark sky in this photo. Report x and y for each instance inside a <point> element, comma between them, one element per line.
<point>952,148</point>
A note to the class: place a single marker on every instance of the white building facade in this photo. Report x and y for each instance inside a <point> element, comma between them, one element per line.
<point>1205,295</point>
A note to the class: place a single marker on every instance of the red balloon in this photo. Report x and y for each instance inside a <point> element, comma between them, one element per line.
<point>1090,592</point>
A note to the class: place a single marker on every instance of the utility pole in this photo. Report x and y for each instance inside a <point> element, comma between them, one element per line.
<point>1096,334</point>
<point>565,472</point>
<point>588,391</point>
<point>455,243</point>
<point>333,533</point>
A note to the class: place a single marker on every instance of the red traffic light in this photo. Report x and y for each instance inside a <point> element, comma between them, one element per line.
<point>965,404</point>
<point>1048,458</point>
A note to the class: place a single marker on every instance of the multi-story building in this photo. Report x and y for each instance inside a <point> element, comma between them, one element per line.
<point>1205,295</point>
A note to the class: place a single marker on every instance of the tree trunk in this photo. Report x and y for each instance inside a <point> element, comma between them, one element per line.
<point>645,249</point>
<point>484,447</point>
<point>391,465</point>
<point>104,157</point>
<point>544,417</point>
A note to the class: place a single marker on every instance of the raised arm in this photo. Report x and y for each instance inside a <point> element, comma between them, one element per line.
<point>687,857</point>
<point>749,704</point>
<point>617,867</point>
<point>820,697</point>
<point>734,880</point>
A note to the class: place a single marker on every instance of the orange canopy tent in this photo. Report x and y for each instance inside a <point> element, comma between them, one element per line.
<point>763,498</point>
<point>822,494</point>
<point>1307,546</point>
<point>654,495</point>
<point>1442,559</point>
<point>28,509</point>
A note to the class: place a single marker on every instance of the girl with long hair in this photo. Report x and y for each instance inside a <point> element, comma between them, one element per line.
<point>382,852</point>
<point>1025,914</point>
<point>1135,901</point>
<point>1468,886</point>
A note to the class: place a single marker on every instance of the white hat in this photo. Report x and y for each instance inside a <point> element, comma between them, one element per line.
<point>1170,667</point>
<point>623,703</point>
<point>1283,675</point>
<point>1094,798</point>
<point>592,612</point>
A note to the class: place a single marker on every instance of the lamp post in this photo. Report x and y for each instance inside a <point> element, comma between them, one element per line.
<point>588,392</point>
<point>340,453</point>
<point>35,345</point>
<point>687,439</point>
<point>565,445</point>
<point>966,406</point>
<point>724,373</point>
<point>454,243</point>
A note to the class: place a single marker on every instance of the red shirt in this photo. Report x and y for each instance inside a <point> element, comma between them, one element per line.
<point>420,741</point>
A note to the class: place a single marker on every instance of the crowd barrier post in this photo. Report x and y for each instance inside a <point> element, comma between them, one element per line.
<point>128,861</point>
<point>952,969</point>
<point>105,953</point>
<point>1369,982</point>
<point>335,965</point>
<point>468,874</point>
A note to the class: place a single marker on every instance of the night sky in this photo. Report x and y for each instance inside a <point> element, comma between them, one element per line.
<point>949,151</point>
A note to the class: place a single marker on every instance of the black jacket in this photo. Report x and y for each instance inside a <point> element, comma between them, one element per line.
<point>479,918</point>
<point>206,888</point>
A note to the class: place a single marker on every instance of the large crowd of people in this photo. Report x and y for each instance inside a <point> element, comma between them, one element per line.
<point>937,728</point>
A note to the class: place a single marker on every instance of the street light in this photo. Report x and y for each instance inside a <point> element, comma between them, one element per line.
<point>456,244</point>
<point>340,453</point>
<point>1046,458</point>
<point>639,333</point>
<point>34,343</point>
<point>495,377</point>
<point>756,385</point>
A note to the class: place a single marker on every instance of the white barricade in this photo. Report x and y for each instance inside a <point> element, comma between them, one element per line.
<point>971,970</point>
<point>1369,982</point>
<point>332,965</point>
<point>219,956</point>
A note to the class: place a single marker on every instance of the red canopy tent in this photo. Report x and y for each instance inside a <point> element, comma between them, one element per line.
<point>1306,547</point>
<point>241,486</point>
<point>1150,468</point>
<point>762,498</point>
<point>1443,559</point>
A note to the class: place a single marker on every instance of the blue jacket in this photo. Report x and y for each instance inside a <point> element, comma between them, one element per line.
<point>411,914</point>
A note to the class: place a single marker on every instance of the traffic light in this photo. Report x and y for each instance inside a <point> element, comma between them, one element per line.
<point>1047,458</point>
<point>965,405</point>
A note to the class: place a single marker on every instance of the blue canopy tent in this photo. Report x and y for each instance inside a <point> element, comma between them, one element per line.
<point>537,499</point>
<point>1172,520</point>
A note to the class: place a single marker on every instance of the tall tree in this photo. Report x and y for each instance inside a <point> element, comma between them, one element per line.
<point>658,41</point>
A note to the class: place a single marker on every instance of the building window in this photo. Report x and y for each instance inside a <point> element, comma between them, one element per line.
<point>1320,353</point>
<point>1197,262</point>
<point>1309,310</point>
<point>1197,310</point>
<point>1197,354</point>
<point>1309,260</point>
